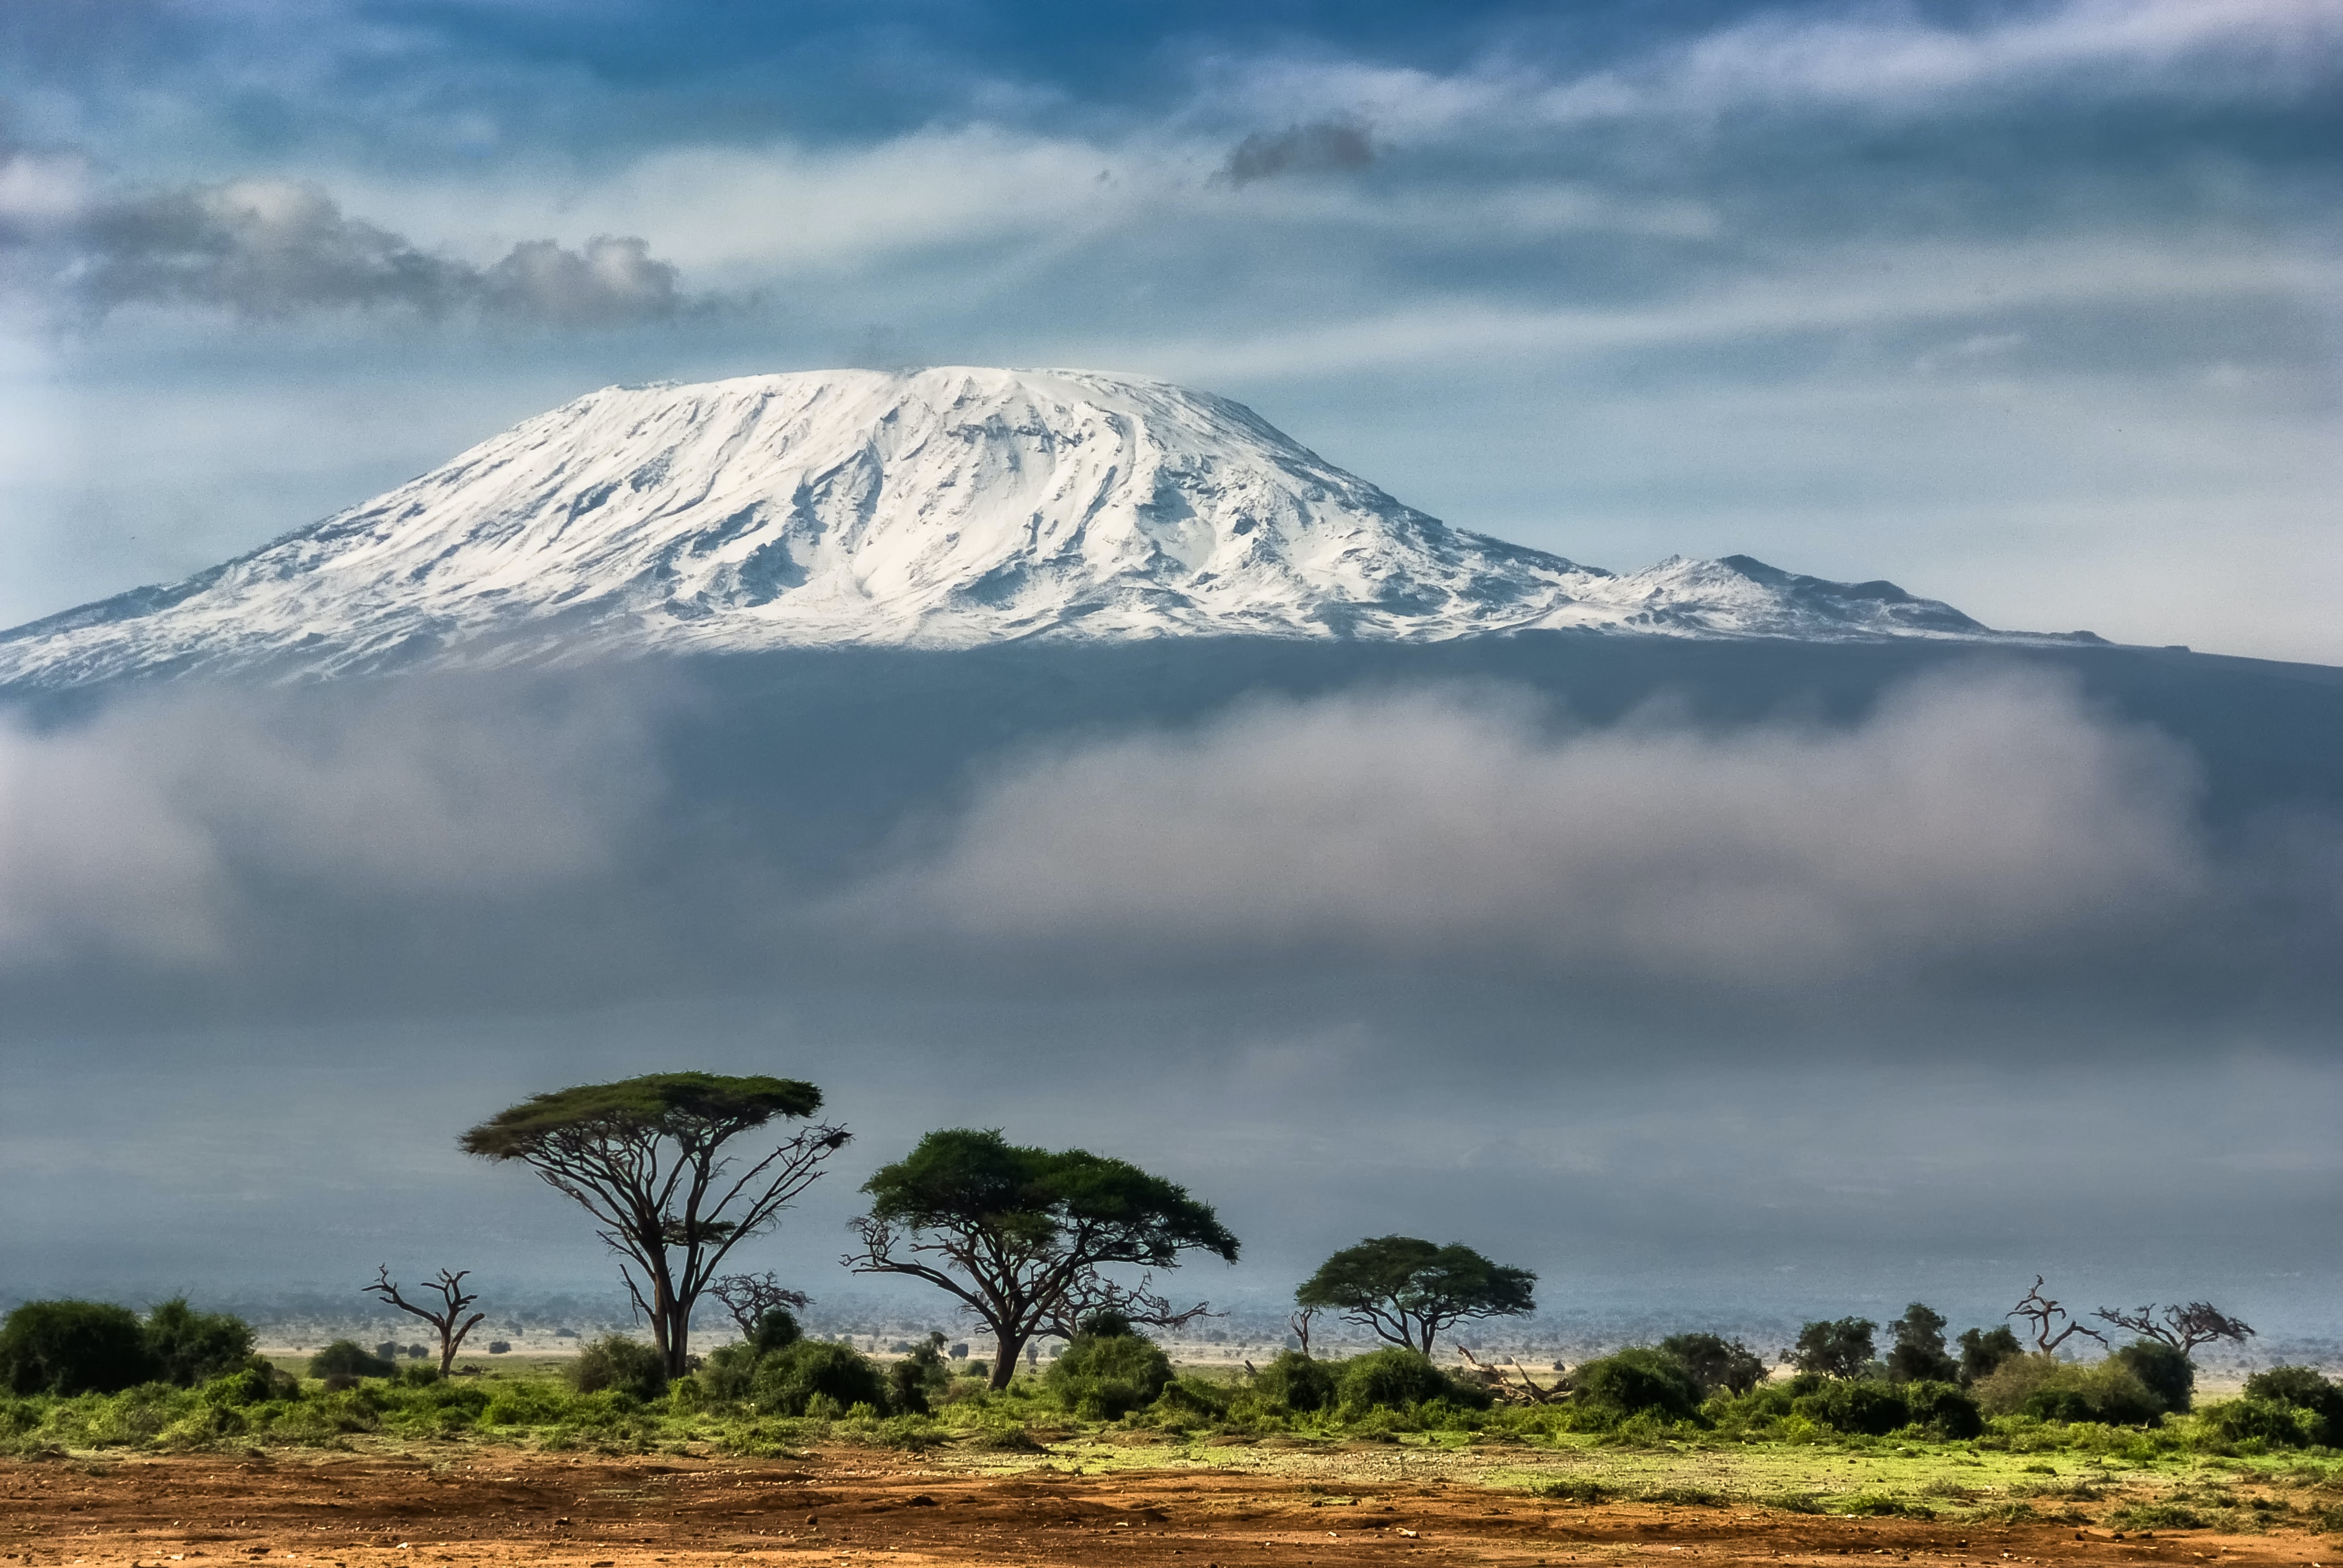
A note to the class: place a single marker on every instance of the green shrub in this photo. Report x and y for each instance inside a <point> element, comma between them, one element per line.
<point>2049,1389</point>
<point>2276,1423</point>
<point>917,1381</point>
<point>1946,1409</point>
<point>815,1377</point>
<point>1296,1383</point>
<point>615,1363</point>
<point>1390,1379</point>
<point>1106,1377</point>
<point>2165,1370</point>
<point>192,1347</point>
<point>1718,1365</point>
<point>256,1382</point>
<point>1866,1406</point>
<point>350,1358</point>
<point>1634,1381</point>
<point>2306,1390</point>
<point>73,1347</point>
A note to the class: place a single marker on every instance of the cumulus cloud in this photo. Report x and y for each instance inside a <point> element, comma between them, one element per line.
<point>1979,820</point>
<point>1322,147</point>
<point>169,829</point>
<point>269,248</point>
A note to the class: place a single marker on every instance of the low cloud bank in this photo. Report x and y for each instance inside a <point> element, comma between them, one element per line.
<point>1997,819</point>
<point>191,830</point>
<point>595,839</point>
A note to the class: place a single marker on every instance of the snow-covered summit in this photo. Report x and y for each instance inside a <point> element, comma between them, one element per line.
<point>946,507</point>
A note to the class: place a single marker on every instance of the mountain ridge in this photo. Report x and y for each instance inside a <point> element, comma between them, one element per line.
<point>947,508</point>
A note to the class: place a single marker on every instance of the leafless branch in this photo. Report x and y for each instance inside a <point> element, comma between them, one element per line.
<point>447,1317</point>
<point>2046,1316</point>
<point>2183,1328</point>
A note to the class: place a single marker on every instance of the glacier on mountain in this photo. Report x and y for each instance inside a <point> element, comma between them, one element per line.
<point>945,507</point>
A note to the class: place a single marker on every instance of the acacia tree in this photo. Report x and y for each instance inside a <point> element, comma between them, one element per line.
<point>2183,1328</point>
<point>1020,1235</point>
<point>446,1318</point>
<point>647,1157</point>
<point>1409,1291</point>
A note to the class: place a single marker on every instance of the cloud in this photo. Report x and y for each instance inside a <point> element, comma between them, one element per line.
<point>271,248</point>
<point>1322,147</point>
<point>186,829</point>
<point>1987,820</point>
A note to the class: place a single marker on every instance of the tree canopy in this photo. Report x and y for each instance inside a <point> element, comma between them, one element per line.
<point>1410,1291</point>
<point>1019,1234</point>
<point>1840,1348</point>
<point>645,1157</point>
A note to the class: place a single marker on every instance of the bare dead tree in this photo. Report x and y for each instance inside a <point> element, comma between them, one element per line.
<point>1300,1323</point>
<point>447,1318</point>
<point>1093,1294</point>
<point>1493,1379</point>
<point>2183,1328</point>
<point>2046,1315</point>
<point>748,1297</point>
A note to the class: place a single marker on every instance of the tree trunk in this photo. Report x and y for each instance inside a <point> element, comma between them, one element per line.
<point>1004,1364</point>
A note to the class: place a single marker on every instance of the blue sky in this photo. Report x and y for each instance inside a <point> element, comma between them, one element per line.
<point>2031,306</point>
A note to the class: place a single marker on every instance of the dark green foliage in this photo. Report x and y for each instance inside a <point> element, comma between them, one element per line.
<point>2050,1390</point>
<point>2276,1423</point>
<point>1634,1381</point>
<point>2167,1371</point>
<point>74,1347</point>
<point>1409,1291</point>
<point>350,1358</point>
<point>1839,1349</point>
<point>1946,1409</point>
<point>1855,1405</point>
<point>2303,1386</point>
<point>1916,1351</point>
<point>1294,1382</point>
<point>257,1383</point>
<point>1396,1378</point>
<point>789,1380</point>
<point>193,1347</point>
<point>777,1330</point>
<point>1717,1365</point>
<point>1984,1349</point>
<point>616,1362</point>
<point>1012,1231</point>
<point>2303,1389</point>
<point>1106,1323</point>
<point>1103,1377</point>
<point>914,1381</point>
<point>673,1104</point>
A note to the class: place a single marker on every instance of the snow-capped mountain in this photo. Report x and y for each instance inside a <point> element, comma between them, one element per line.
<point>947,508</point>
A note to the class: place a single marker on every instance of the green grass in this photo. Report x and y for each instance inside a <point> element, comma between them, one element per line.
<point>2158,1480</point>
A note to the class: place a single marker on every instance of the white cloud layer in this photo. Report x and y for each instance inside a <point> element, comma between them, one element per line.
<point>1987,820</point>
<point>166,829</point>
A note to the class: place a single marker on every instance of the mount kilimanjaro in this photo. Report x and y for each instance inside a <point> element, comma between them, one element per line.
<point>944,508</point>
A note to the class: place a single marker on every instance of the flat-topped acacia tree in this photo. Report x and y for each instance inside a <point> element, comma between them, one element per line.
<point>1410,1291</point>
<point>647,1157</point>
<point>1020,1234</point>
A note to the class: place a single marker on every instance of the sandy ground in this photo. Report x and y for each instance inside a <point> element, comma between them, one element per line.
<point>840,1506</point>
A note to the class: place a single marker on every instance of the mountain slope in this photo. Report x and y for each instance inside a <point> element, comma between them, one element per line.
<point>949,507</point>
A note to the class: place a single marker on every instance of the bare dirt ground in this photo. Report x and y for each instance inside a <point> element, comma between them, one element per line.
<point>851,1505</point>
